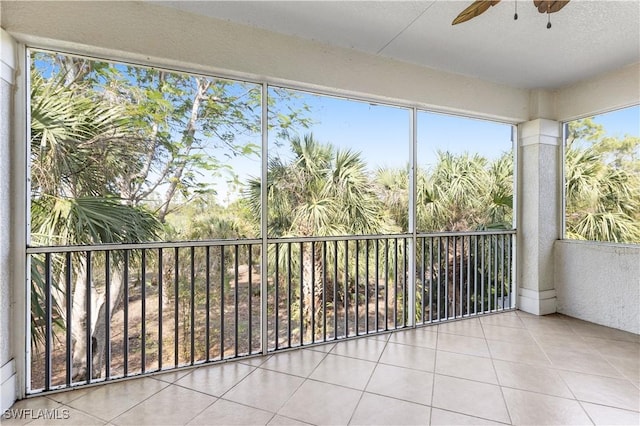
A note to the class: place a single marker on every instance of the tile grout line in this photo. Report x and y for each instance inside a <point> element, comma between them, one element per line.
<point>554,368</point>
<point>304,380</point>
<point>433,381</point>
<point>127,410</point>
<point>586,412</point>
<point>504,400</point>
<point>386,344</point>
<point>217,398</point>
<point>86,413</point>
<point>470,415</point>
<point>593,351</point>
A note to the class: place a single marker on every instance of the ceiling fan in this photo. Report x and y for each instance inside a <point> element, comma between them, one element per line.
<point>478,7</point>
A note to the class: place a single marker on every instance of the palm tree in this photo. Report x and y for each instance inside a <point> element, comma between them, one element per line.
<point>500,210</point>
<point>79,146</point>
<point>321,191</point>
<point>603,196</point>
<point>461,192</point>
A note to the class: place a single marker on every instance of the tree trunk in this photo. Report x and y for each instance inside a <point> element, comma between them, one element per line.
<point>97,322</point>
<point>312,290</point>
<point>187,142</point>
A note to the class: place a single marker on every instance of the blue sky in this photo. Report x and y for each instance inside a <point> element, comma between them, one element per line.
<point>621,122</point>
<point>382,133</point>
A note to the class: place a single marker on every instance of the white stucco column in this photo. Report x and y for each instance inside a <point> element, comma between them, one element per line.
<point>540,195</point>
<point>8,378</point>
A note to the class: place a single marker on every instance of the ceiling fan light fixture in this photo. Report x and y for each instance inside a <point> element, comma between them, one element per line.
<point>478,7</point>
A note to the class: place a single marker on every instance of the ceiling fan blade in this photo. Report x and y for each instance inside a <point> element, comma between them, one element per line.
<point>478,7</point>
<point>549,6</point>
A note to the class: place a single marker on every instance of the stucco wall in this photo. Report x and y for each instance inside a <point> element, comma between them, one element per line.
<point>5,102</point>
<point>618,89</point>
<point>7,368</point>
<point>599,282</point>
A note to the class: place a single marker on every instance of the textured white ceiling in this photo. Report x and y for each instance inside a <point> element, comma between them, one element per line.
<point>587,38</point>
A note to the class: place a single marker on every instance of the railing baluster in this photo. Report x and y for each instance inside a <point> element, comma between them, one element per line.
<point>395,283</point>
<point>207,297</point>
<point>495,274</point>
<point>405,269</point>
<point>160,314</point>
<point>176,297</point>
<point>125,338</point>
<point>301,294</point>
<point>482,271</point>
<point>386,284</point>
<point>235,299</point>
<point>289,301</point>
<point>366,286</point>
<point>250,298</point>
<point>422,279</point>
<point>222,270</point>
<point>276,296</point>
<point>107,314</point>
<point>313,291</point>
<point>192,306</point>
<point>461,269</point>
<point>143,312</point>
<point>335,289</point>
<point>355,292</point>
<point>431,243</point>
<point>346,288</point>
<point>377,283</point>
<point>439,276</point>
<point>48,314</point>
<point>475,274</point>
<point>454,274</point>
<point>324,291</point>
<point>446,278</point>
<point>69,313</point>
<point>502,277</point>
<point>509,270</point>
<point>88,322</point>
<point>469,276</point>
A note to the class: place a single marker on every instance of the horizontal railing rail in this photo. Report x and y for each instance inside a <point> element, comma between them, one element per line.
<point>138,246</point>
<point>110,311</point>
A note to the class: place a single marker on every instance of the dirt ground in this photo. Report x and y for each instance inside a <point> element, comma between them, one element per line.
<point>236,339</point>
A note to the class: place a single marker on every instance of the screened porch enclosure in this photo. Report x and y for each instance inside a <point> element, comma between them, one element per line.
<point>236,305</point>
<point>179,219</point>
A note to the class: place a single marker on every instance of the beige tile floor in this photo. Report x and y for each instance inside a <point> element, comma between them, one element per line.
<point>509,368</point>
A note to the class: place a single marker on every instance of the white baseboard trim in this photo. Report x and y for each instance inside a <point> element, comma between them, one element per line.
<point>8,385</point>
<point>537,302</point>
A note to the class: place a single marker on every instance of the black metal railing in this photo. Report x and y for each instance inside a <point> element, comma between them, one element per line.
<point>104,312</point>
<point>463,274</point>
<point>169,305</point>
<point>331,288</point>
